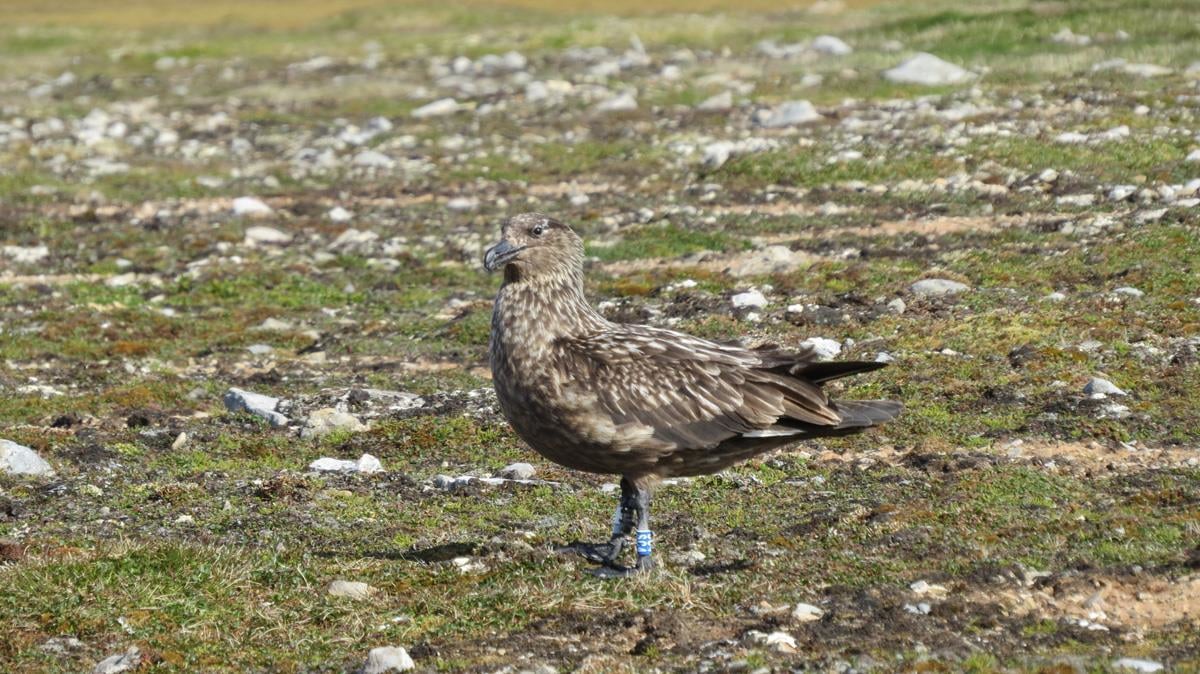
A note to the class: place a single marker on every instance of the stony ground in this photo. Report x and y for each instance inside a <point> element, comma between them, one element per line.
<point>294,202</point>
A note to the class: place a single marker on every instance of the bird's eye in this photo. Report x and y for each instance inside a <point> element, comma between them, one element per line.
<point>538,230</point>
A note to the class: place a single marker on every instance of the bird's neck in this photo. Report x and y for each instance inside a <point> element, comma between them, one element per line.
<point>534,312</point>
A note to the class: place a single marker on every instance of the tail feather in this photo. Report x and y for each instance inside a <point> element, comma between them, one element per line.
<point>863,413</point>
<point>821,372</point>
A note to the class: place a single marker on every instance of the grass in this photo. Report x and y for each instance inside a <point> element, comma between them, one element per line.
<point>214,554</point>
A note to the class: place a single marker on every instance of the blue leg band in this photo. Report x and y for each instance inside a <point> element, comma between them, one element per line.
<point>644,545</point>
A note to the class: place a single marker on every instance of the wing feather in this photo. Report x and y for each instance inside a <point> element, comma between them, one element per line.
<point>692,393</point>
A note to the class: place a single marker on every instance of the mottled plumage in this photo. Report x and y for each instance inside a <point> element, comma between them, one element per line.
<point>637,401</point>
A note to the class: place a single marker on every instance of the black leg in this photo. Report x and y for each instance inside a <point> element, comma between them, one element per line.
<point>623,520</point>
<point>644,537</point>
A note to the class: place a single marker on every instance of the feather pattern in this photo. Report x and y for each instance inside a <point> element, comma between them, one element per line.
<point>638,400</point>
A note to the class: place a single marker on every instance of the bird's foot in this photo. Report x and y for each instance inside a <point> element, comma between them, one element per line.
<point>609,571</point>
<point>600,553</point>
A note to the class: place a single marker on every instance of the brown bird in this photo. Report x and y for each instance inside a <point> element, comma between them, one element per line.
<point>641,402</point>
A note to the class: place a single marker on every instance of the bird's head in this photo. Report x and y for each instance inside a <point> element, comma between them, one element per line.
<point>534,246</point>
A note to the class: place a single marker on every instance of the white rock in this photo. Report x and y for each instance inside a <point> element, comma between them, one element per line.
<point>1079,200</point>
<point>327,420</point>
<point>250,207</point>
<point>1100,387</point>
<point>928,70</point>
<point>1138,665</point>
<point>751,299</point>
<point>21,460</point>
<point>517,471</point>
<point>1055,297</point>
<point>115,664</point>
<point>897,306</point>
<point>26,254</point>
<point>781,642</point>
<point>718,103</point>
<point>823,348</point>
<point>806,613</point>
<point>620,103</point>
<point>1071,138</point>
<point>789,114</point>
<point>1129,292</point>
<point>272,325</point>
<point>264,406</point>
<point>268,235</point>
<point>937,287</point>
<point>1121,192</point>
<point>1067,36</point>
<point>438,108</point>
<point>350,589</point>
<point>462,204</point>
<point>365,464</point>
<point>352,238</point>
<point>830,45</point>
<point>373,159</point>
<point>1193,156</point>
<point>339,214</point>
<point>388,659</point>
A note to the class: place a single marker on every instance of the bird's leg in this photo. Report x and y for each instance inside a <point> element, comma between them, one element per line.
<point>644,541</point>
<point>623,517</point>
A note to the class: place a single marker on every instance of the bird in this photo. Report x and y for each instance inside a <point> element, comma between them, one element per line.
<point>642,402</point>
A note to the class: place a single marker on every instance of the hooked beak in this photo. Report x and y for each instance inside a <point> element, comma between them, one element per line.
<point>500,254</point>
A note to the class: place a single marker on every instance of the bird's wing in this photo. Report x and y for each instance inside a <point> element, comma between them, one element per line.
<point>690,392</point>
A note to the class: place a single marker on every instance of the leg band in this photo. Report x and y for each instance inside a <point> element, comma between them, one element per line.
<point>644,542</point>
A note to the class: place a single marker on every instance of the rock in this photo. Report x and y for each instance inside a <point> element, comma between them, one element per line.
<point>62,645</point>
<point>751,299</point>
<point>897,306</point>
<point>339,214</point>
<point>1113,411</point>
<point>1067,36</point>
<point>937,287</point>
<point>1100,387</point>
<point>327,420</point>
<point>251,207</point>
<point>775,259</point>
<point>438,108</point>
<point>1121,192</point>
<point>388,659</point>
<point>789,114</point>
<point>823,348</point>
<point>26,254</point>
<point>928,70</point>
<point>21,460</point>
<point>373,159</point>
<point>273,325</point>
<point>924,587</point>
<point>264,406</point>
<point>1138,665</point>
<point>718,103</point>
<point>128,661</point>
<point>353,238</point>
<point>620,103</point>
<point>830,46</point>
<point>781,642</point>
<point>365,464</point>
<point>462,204</point>
<point>517,471</point>
<point>467,565</point>
<point>921,608</point>
<point>350,589</point>
<point>262,234</point>
<point>1128,291</point>
<point>1055,297</point>
<point>806,613</point>
<point>1077,200</point>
